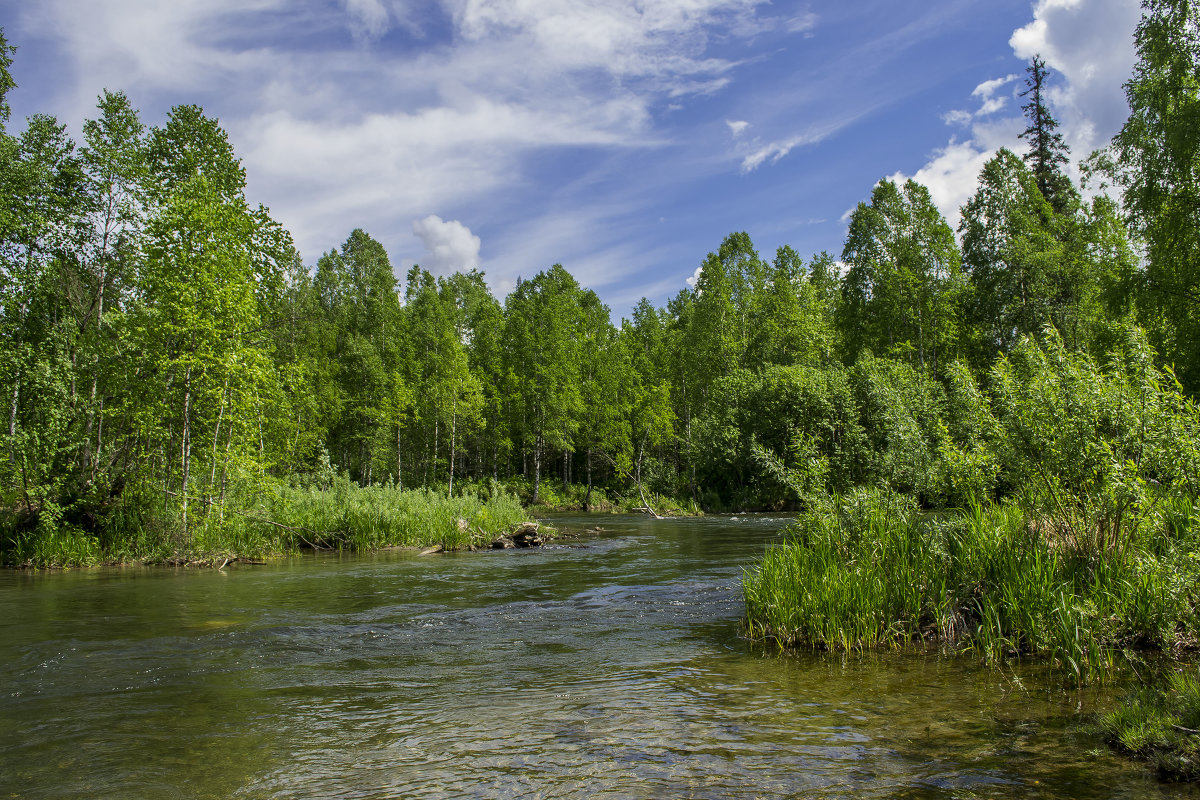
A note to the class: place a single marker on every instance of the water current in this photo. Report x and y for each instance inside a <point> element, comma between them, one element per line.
<point>607,666</point>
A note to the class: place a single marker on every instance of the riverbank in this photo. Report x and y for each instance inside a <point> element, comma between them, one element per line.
<point>1161,725</point>
<point>870,569</point>
<point>554,497</point>
<point>999,584</point>
<point>270,520</point>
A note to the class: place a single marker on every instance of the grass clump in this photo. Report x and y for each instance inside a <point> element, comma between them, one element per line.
<point>869,569</point>
<point>347,516</point>
<point>1161,725</point>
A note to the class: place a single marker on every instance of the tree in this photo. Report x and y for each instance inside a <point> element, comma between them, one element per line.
<point>365,337</point>
<point>792,324</point>
<point>192,144</point>
<point>1048,151</point>
<point>205,378</point>
<point>44,200</point>
<point>112,157</point>
<point>902,292</point>
<point>1012,255</point>
<point>7,84</point>
<point>542,342</point>
<point>1157,163</point>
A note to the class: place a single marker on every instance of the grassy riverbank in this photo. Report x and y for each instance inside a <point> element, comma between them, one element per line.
<point>269,519</point>
<point>1161,724</point>
<point>553,496</point>
<point>871,570</point>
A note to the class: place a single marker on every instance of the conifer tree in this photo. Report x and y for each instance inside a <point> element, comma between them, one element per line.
<point>1048,151</point>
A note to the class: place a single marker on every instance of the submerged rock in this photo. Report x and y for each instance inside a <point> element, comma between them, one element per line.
<point>527,535</point>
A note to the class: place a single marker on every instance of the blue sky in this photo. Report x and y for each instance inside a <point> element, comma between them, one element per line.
<point>621,138</point>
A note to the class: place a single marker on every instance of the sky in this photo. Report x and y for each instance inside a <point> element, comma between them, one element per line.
<point>623,139</point>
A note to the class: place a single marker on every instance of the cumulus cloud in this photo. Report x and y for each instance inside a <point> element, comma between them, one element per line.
<point>450,244</point>
<point>1090,48</point>
<point>343,136</point>
<point>953,172</point>
<point>737,127</point>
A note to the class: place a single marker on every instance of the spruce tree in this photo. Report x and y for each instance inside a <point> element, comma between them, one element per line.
<point>1047,149</point>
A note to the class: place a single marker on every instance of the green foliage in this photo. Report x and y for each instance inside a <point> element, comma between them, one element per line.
<point>1093,551</point>
<point>1157,164</point>
<point>903,292</point>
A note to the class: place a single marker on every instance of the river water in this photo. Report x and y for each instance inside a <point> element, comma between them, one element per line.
<point>604,667</point>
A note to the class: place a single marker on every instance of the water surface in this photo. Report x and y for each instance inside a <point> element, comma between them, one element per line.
<point>603,667</point>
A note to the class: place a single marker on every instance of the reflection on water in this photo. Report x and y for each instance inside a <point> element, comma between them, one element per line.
<point>604,667</point>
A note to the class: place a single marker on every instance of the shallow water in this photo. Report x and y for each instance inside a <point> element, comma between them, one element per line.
<point>604,667</point>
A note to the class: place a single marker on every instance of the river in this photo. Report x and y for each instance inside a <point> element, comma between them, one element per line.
<point>602,667</point>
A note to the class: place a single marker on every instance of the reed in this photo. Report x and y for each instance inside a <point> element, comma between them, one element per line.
<point>262,519</point>
<point>868,570</point>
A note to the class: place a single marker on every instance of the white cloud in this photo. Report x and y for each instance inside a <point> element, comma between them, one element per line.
<point>990,103</point>
<point>958,117</point>
<point>346,136</point>
<point>737,127</point>
<point>368,18</point>
<point>987,90</point>
<point>1090,45</point>
<point>450,244</point>
<point>802,23</point>
<point>654,39</point>
<point>695,278</point>
<point>953,172</point>
<point>774,151</point>
<point>1090,48</point>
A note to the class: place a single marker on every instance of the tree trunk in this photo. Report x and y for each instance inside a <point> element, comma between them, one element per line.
<point>565,474</point>
<point>16,392</point>
<point>537,466</point>
<point>399,475</point>
<point>185,448</point>
<point>587,498</point>
<point>212,476</point>
<point>453,443</point>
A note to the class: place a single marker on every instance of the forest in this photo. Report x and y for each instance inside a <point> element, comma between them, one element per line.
<point>173,370</point>
<point>180,385</point>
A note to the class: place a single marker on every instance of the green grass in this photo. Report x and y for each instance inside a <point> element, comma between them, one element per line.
<point>552,497</point>
<point>1161,725</point>
<point>257,522</point>
<point>869,570</point>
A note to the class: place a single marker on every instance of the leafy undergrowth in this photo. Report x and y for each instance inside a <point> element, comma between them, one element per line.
<point>553,497</point>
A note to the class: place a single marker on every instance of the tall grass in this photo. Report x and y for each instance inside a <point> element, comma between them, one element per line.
<point>868,570</point>
<point>257,520</point>
<point>351,517</point>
